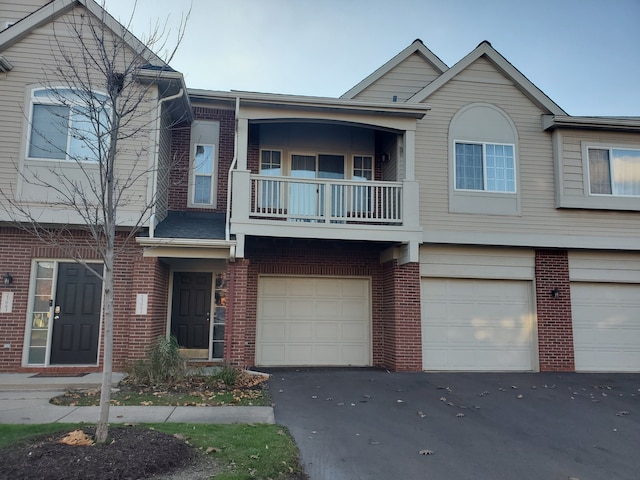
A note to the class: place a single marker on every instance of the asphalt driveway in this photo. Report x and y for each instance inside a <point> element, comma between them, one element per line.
<point>371,424</point>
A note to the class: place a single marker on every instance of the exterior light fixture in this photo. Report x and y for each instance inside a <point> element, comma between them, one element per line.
<point>555,293</point>
<point>7,279</point>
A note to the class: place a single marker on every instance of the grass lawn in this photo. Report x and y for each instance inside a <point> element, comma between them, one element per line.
<point>245,451</point>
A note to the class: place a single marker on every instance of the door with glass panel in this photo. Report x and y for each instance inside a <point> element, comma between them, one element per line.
<point>307,199</point>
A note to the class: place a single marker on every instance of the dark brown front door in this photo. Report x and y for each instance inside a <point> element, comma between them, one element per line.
<point>76,317</point>
<point>191,308</point>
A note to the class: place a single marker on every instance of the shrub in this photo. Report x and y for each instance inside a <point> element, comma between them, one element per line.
<point>162,364</point>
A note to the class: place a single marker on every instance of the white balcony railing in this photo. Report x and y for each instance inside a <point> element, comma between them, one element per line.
<point>326,200</point>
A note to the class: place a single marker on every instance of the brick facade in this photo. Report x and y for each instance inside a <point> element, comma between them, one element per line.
<point>402,321</point>
<point>555,332</point>
<point>180,148</point>
<point>133,274</point>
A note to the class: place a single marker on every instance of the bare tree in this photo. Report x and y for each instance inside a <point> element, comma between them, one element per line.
<point>100,98</point>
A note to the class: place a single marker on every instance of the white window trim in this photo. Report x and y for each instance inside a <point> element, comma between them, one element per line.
<point>33,100</point>
<point>194,175</point>
<point>282,160</point>
<point>604,146</point>
<point>484,166</point>
<point>373,165</point>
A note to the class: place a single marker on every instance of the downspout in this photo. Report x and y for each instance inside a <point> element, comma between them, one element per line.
<point>152,220</point>
<point>227,229</point>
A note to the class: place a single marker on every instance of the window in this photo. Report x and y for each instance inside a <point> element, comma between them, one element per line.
<point>203,168</point>
<point>68,125</point>
<point>271,165</point>
<point>362,168</point>
<point>614,171</point>
<point>485,166</point>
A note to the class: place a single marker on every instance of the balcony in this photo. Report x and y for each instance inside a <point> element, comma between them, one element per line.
<point>326,201</point>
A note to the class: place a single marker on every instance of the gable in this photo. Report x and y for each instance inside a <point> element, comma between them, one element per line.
<point>417,56</point>
<point>485,65</point>
<point>402,82</point>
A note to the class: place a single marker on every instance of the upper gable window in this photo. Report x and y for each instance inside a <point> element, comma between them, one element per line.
<point>68,124</point>
<point>485,166</point>
<point>614,171</point>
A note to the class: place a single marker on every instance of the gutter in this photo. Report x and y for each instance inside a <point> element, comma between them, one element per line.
<point>227,227</point>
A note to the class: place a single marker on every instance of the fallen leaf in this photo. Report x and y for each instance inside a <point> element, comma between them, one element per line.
<point>426,452</point>
<point>212,450</point>
<point>421,414</point>
<point>620,414</point>
<point>460,415</point>
<point>520,396</point>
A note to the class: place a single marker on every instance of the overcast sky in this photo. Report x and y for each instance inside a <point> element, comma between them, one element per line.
<point>584,54</point>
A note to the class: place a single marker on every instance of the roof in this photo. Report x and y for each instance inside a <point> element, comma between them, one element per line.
<point>194,225</point>
<point>416,47</point>
<point>485,49</point>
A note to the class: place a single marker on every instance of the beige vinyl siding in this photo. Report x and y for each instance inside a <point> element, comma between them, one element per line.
<point>575,176</point>
<point>403,81</point>
<point>34,61</point>
<point>18,9</point>
<point>477,262</point>
<point>540,223</point>
<point>592,266</point>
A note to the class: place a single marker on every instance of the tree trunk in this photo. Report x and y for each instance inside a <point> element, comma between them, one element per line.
<point>102,427</point>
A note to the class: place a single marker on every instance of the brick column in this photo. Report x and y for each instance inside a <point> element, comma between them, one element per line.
<point>555,331</point>
<point>151,277</point>
<point>235,335</point>
<point>401,313</point>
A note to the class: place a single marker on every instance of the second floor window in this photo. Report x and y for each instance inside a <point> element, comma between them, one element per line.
<point>614,171</point>
<point>68,125</point>
<point>203,169</point>
<point>485,166</point>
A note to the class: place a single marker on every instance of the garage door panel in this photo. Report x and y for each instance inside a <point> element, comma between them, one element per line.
<point>314,321</point>
<point>477,324</point>
<point>606,326</point>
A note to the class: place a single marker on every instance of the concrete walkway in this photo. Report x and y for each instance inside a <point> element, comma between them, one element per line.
<point>25,399</point>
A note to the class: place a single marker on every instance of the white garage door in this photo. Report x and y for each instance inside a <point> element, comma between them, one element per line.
<point>477,324</point>
<point>313,321</point>
<point>606,326</point>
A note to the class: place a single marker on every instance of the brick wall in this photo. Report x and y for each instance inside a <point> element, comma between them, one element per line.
<point>133,274</point>
<point>402,322</point>
<point>555,332</point>
<point>180,151</point>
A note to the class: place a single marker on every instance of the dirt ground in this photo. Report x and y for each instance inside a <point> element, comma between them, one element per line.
<point>134,453</point>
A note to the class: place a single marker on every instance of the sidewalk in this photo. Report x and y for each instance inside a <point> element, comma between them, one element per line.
<point>25,399</point>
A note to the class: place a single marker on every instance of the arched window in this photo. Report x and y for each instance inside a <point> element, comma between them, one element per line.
<point>483,161</point>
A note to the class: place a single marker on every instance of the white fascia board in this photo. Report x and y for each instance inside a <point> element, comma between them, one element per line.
<point>313,103</point>
<point>416,47</point>
<point>505,67</point>
<point>184,242</point>
<point>618,124</point>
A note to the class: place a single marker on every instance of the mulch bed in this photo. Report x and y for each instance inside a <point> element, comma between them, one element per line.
<point>134,453</point>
